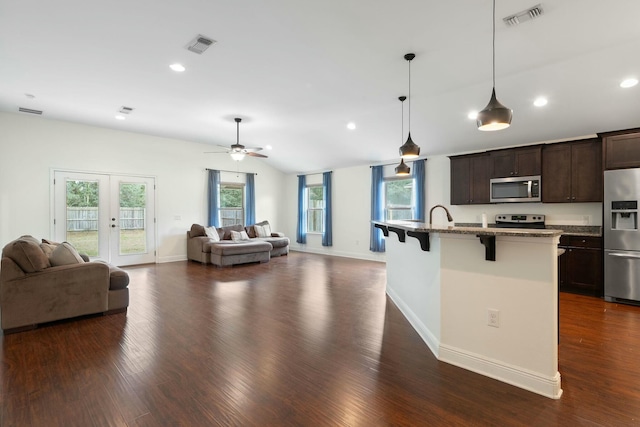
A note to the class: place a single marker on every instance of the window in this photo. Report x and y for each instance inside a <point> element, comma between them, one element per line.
<point>315,208</point>
<point>398,198</point>
<point>231,204</point>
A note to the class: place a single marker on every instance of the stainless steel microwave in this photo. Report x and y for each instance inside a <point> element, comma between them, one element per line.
<point>515,189</point>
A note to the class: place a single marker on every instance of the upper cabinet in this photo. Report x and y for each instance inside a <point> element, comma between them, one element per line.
<point>572,172</point>
<point>524,161</point>
<point>622,149</point>
<point>470,176</point>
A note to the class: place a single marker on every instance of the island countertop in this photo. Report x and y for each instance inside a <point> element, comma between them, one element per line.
<point>425,228</point>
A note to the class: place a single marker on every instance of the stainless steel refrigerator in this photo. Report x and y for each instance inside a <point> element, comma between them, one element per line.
<point>621,236</point>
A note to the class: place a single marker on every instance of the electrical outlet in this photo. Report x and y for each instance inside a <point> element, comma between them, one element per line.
<point>493,318</point>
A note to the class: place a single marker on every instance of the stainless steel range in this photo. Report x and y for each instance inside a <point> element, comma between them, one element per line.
<point>535,221</point>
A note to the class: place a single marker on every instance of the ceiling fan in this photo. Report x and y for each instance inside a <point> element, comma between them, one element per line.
<point>237,150</point>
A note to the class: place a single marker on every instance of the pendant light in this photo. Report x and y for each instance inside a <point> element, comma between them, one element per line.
<point>495,116</point>
<point>402,168</point>
<point>409,150</point>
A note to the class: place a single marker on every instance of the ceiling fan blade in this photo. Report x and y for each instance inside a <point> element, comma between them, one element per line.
<point>252,149</point>
<point>252,154</point>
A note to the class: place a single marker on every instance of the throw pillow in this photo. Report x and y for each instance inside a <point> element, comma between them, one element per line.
<point>197,230</point>
<point>65,254</point>
<point>212,233</point>
<point>260,231</point>
<point>239,236</point>
<point>267,229</point>
<point>26,252</point>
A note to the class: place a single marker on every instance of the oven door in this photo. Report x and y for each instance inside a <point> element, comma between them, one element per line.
<point>516,189</point>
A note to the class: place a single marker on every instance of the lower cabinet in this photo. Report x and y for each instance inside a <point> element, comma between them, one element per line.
<point>580,268</point>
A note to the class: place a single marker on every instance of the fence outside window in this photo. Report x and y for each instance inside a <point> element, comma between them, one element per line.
<point>86,219</point>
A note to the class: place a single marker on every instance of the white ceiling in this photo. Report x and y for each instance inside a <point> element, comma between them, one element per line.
<point>298,71</point>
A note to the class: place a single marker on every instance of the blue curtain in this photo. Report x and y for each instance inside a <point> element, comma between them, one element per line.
<point>376,243</point>
<point>250,205</point>
<point>418,188</point>
<point>214,198</point>
<point>327,235</point>
<point>301,233</point>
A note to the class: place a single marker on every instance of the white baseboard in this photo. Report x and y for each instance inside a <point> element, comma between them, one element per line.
<point>331,252</point>
<point>173,258</point>
<point>427,336</point>
<point>532,381</point>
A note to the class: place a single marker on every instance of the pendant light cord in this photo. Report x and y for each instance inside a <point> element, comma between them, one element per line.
<point>410,97</point>
<point>494,44</point>
<point>402,126</point>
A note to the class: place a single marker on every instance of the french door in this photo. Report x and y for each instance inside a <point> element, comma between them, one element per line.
<point>107,217</point>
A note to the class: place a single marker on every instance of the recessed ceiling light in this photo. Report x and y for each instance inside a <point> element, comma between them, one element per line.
<point>629,83</point>
<point>120,117</point>
<point>178,68</point>
<point>540,102</point>
<point>472,115</point>
<point>268,147</point>
<point>351,126</point>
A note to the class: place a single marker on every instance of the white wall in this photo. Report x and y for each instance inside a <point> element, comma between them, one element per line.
<point>351,201</point>
<point>32,146</point>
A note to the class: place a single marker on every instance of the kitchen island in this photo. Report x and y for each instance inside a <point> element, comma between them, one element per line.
<point>484,299</point>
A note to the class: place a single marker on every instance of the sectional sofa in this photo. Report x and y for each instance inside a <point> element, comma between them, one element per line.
<point>236,244</point>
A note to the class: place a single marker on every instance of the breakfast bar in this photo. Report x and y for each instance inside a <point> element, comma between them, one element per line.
<point>484,299</point>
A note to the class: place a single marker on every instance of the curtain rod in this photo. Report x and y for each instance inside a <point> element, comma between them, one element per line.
<point>316,173</point>
<point>222,170</point>
<point>397,163</point>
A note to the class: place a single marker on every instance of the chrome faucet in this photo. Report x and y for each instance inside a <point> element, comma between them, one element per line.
<point>449,217</point>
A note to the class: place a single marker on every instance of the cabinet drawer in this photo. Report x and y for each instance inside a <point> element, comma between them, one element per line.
<point>581,241</point>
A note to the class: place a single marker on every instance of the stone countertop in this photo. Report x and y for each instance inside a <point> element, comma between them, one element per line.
<point>567,230</point>
<point>424,227</point>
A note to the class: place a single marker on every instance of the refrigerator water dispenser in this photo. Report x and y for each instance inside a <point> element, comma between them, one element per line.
<point>624,215</point>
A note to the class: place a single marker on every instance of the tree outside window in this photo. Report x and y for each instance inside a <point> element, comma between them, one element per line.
<point>315,203</point>
<point>231,204</point>
<point>398,199</point>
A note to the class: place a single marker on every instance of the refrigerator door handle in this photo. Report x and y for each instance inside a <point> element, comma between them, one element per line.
<point>623,255</point>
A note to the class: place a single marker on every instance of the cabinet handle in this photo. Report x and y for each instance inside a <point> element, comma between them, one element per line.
<point>568,198</point>
<point>573,198</point>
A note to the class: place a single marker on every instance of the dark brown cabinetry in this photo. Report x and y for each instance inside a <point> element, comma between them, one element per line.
<point>622,149</point>
<point>580,267</point>
<point>470,176</point>
<point>572,172</point>
<point>516,162</point>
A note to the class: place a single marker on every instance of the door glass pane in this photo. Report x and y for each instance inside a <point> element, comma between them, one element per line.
<point>82,216</point>
<point>133,221</point>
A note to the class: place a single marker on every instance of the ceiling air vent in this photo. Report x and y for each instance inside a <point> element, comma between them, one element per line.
<point>525,15</point>
<point>200,44</point>
<point>29,110</point>
<point>126,110</point>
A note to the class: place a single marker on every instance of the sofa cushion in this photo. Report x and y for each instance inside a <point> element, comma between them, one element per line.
<point>276,242</point>
<point>240,248</point>
<point>65,254</point>
<point>239,236</point>
<point>212,233</point>
<point>197,230</point>
<point>26,252</point>
<point>260,231</point>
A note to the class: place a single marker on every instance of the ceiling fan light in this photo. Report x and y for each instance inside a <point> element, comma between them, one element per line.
<point>409,150</point>
<point>402,169</point>
<point>494,116</point>
<point>237,156</point>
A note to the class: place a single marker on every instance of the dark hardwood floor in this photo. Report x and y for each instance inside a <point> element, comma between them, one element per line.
<point>304,340</point>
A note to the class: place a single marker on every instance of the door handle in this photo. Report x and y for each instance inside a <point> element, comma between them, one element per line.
<point>620,255</point>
